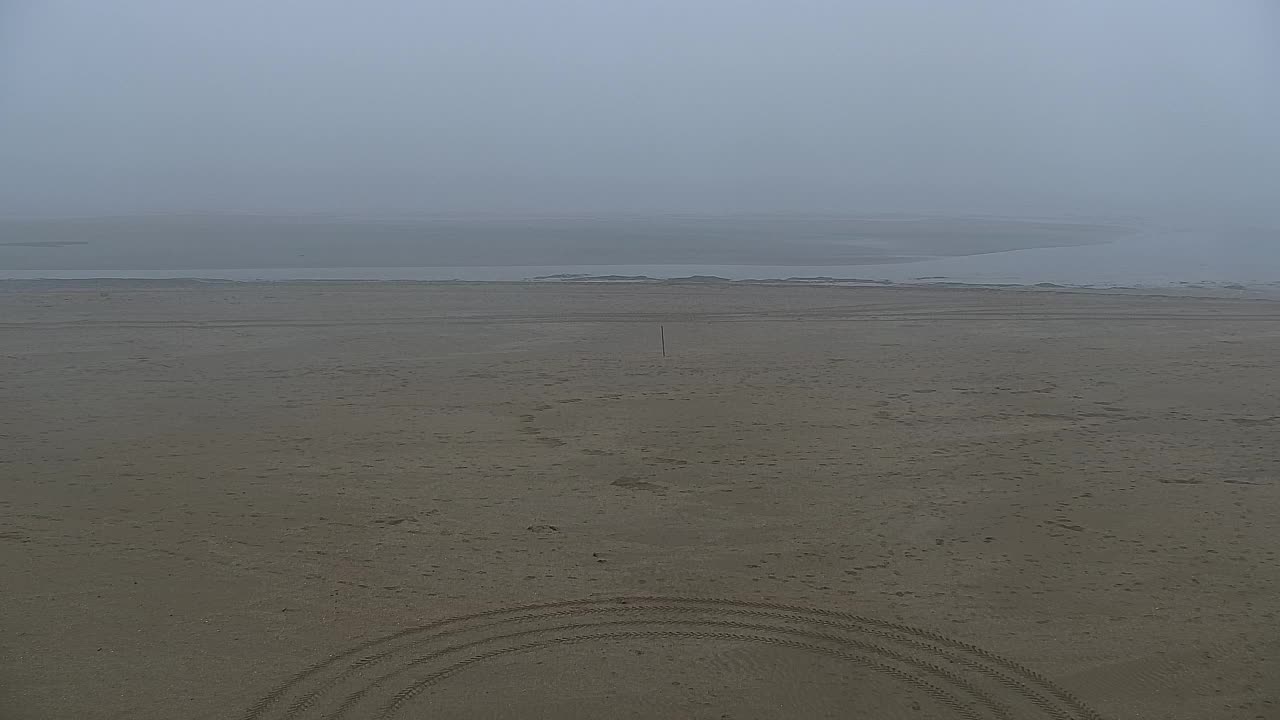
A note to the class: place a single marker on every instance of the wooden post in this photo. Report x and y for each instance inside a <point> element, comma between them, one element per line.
<point>662,333</point>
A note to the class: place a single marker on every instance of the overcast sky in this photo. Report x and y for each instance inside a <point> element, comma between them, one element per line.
<point>1037,106</point>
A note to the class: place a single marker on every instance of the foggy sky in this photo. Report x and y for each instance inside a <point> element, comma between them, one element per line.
<point>1020,106</point>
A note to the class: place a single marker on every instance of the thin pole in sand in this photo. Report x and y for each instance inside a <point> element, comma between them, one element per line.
<point>662,333</point>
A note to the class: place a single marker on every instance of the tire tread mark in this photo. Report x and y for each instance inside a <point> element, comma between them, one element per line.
<point>1039,679</point>
<point>258,709</point>
<point>1021,688</point>
<point>995,706</point>
<point>939,694</point>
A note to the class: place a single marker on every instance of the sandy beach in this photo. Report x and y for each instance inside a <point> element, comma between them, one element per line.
<point>257,501</point>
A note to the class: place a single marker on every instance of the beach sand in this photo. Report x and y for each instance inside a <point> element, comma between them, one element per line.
<point>215,497</point>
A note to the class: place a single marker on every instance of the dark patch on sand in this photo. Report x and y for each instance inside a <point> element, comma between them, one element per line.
<point>45,243</point>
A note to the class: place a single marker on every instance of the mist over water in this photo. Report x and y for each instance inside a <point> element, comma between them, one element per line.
<point>892,248</point>
<point>221,241</point>
<point>283,138</point>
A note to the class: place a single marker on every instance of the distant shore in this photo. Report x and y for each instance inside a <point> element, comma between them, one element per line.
<point>171,243</point>
<point>847,250</point>
<point>1270,292</point>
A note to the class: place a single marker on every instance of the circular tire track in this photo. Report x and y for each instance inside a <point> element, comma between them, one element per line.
<point>379,678</point>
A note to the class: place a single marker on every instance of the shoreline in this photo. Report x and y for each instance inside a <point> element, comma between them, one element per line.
<point>1187,290</point>
<point>913,252</point>
<point>1165,261</point>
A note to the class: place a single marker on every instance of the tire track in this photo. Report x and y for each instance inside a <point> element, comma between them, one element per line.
<point>937,693</point>
<point>871,628</point>
<point>414,654</point>
<point>1036,677</point>
<point>994,706</point>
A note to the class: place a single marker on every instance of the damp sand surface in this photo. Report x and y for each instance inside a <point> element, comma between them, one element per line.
<point>215,499</point>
